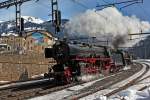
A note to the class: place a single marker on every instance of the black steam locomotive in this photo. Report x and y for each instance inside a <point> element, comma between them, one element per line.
<point>77,60</point>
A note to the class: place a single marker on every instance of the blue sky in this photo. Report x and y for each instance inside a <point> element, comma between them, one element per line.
<point>69,8</point>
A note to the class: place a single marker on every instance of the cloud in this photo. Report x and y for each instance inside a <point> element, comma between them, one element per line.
<point>107,22</point>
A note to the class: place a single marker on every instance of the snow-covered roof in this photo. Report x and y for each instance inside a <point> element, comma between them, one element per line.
<point>9,34</point>
<point>1,21</point>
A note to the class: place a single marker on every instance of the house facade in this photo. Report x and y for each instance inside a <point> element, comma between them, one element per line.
<point>33,41</point>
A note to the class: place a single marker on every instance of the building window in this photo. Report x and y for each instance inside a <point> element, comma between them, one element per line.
<point>43,47</point>
<point>28,43</point>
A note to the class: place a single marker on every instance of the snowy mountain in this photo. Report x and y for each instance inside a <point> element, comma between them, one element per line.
<point>30,23</point>
<point>33,19</point>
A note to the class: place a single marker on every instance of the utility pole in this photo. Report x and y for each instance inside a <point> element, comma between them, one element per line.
<point>18,18</point>
<point>56,16</point>
<point>19,21</point>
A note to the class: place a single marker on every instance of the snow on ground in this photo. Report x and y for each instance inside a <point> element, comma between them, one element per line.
<point>145,82</point>
<point>67,92</point>
<point>113,87</point>
<point>129,94</point>
<point>132,92</point>
<point>9,34</point>
<point>32,19</point>
<point>36,76</point>
<point>127,68</point>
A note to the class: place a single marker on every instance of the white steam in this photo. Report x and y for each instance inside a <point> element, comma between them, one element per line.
<point>107,22</point>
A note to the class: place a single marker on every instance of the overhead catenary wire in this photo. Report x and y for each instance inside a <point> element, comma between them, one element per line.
<point>128,5</point>
<point>105,1</point>
<point>110,5</point>
<point>122,2</point>
<point>129,2</point>
<point>86,7</point>
<point>145,13</point>
<point>124,7</point>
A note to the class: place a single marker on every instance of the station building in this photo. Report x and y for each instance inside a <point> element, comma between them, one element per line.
<point>33,41</point>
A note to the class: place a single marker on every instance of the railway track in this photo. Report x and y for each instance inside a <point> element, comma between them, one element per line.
<point>69,93</point>
<point>100,87</point>
<point>19,81</point>
<point>141,82</point>
<point>132,82</point>
<point>123,87</point>
<point>25,93</point>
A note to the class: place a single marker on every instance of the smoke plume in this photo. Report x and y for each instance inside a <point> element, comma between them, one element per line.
<point>107,22</point>
<point>118,40</point>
